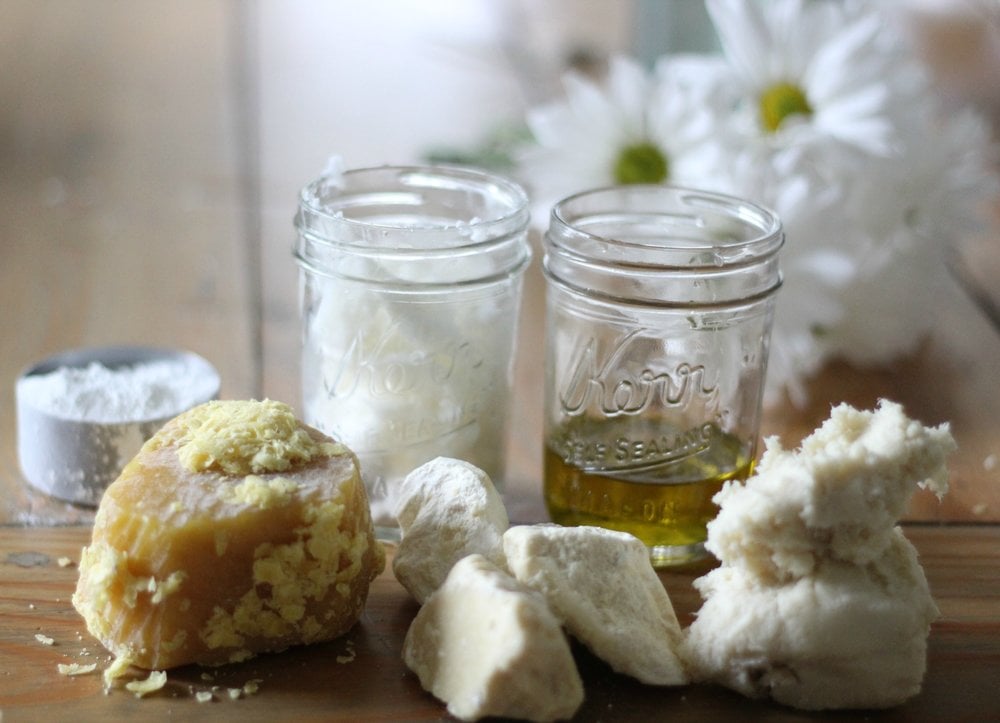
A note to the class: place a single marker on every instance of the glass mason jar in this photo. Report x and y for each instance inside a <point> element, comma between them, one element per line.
<point>410,286</point>
<point>659,312</point>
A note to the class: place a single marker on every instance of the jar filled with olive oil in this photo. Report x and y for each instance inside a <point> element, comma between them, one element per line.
<point>659,312</point>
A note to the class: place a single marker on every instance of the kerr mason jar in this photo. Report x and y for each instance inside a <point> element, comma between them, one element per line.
<point>410,285</point>
<point>659,311</point>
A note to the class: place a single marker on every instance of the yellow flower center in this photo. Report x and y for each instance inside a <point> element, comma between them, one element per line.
<point>780,101</point>
<point>641,163</point>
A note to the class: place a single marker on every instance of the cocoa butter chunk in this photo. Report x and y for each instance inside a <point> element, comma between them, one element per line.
<point>488,646</point>
<point>602,587</point>
<point>447,509</point>
<point>235,530</point>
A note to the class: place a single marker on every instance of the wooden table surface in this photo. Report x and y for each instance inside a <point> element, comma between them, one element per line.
<point>362,677</point>
<point>150,158</point>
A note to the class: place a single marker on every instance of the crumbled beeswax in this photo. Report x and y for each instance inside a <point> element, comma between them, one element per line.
<point>235,530</point>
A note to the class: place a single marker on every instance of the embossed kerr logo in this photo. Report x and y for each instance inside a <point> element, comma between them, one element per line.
<point>389,364</point>
<point>419,386</point>
<point>607,386</point>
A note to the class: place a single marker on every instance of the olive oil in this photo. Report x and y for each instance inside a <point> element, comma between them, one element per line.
<point>641,477</point>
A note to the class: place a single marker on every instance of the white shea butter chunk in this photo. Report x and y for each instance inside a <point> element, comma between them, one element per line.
<point>488,646</point>
<point>838,496</point>
<point>820,601</point>
<point>447,509</point>
<point>846,636</point>
<point>601,585</point>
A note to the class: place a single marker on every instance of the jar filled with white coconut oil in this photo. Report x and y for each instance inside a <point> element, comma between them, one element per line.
<point>410,287</point>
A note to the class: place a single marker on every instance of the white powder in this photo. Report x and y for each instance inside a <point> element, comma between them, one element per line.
<point>148,390</point>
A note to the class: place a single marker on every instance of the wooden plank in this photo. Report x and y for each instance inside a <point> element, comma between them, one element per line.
<point>361,676</point>
<point>120,211</point>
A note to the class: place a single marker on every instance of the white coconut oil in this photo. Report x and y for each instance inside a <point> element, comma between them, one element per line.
<point>410,288</point>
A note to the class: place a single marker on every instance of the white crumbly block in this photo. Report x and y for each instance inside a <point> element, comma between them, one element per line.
<point>846,636</point>
<point>488,646</point>
<point>820,601</point>
<point>447,509</point>
<point>838,496</point>
<point>601,584</point>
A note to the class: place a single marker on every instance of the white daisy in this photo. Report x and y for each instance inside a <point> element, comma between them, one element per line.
<point>830,99</point>
<point>910,209</point>
<point>640,127</point>
<point>811,72</point>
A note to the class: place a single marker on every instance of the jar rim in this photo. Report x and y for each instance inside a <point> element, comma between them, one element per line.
<point>664,246</point>
<point>512,208</point>
<point>639,200</point>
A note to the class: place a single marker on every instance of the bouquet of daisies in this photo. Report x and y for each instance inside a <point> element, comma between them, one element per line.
<point>822,112</point>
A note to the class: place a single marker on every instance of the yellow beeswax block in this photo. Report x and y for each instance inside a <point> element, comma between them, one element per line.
<point>235,530</point>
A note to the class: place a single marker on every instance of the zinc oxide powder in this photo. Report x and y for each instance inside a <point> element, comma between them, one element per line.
<point>147,390</point>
